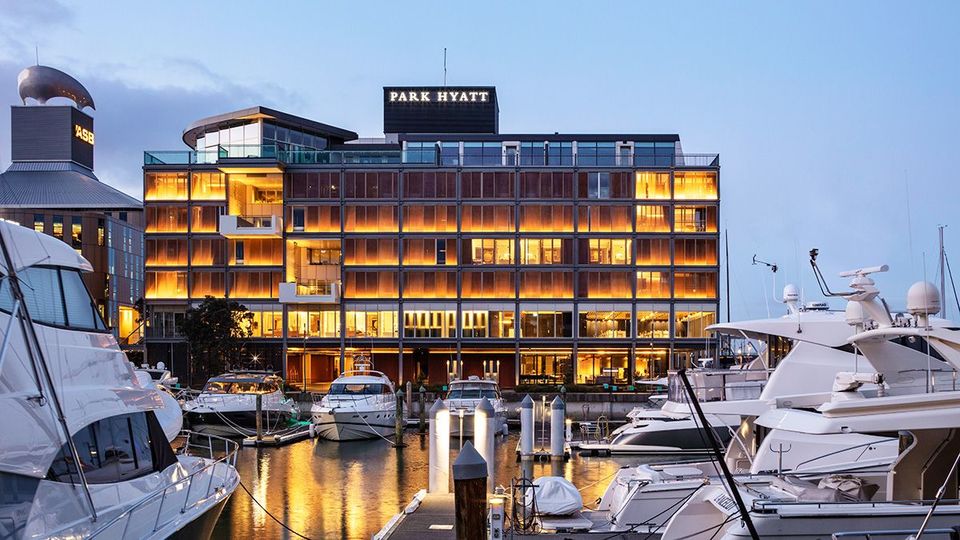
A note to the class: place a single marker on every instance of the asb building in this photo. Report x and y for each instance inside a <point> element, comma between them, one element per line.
<point>443,249</point>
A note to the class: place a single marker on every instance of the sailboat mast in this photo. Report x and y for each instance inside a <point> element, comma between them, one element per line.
<point>943,275</point>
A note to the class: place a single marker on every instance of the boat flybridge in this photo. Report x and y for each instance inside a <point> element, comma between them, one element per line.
<point>82,452</point>
<point>361,404</point>
<point>462,399</point>
<point>819,362</point>
<point>898,496</point>
<point>227,405</point>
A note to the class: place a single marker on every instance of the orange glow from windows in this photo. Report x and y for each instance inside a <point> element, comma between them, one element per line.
<point>653,321</point>
<point>430,218</point>
<point>606,250</point>
<point>695,251</point>
<point>546,285</point>
<point>207,284</point>
<point>370,251</point>
<point>265,323</point>
<point>321,218</point>
<point>653,185</point>
<point>370,219</point>
<point>496,218</point>
<point>604,284</point>
<point>164,219</point>
<point>488,284</point>
<point>313,262</point>
<point>165,285</point>
<point>208,251</point>
<point>692,321</point>
<point>256,195</point>
<point>653,218</point>
<point>165,186</point>
<point>128,328</point>
<point>208,186</point>
<point>695,185</point>
<point>372,324</point>
<point>695,219</point>
<point>488,250</point>
<point>546,218</point>
<point>653,251</point>
<point>313,323</point>
<point>361,284</point>
<point>254,284</point>
<point>695,285</point>
<point>429,251</point>
<point>441,284</point>
<point>653,285</point>
<point>257,252</point>
<point>615,219</point>
<point>166,251</point>
<point>204,219</point>
<point>544,251</point>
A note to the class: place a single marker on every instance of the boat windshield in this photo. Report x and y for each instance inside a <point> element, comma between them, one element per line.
<point>357,389</point>
<point>239,387</point>
<point>472,392</point>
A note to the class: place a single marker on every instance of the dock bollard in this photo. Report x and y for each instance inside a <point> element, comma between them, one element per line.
<point>398,420</point>
<point>557,419</point>
<point>259,417</point>
<point>485,435</point>
<point>409,398</point>
<point>526,427</point>
<point>439,449</point>
<point>470,494</point>
<point>423,409</point>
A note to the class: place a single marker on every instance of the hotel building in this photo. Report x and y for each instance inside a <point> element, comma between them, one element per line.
<point>443,249</point>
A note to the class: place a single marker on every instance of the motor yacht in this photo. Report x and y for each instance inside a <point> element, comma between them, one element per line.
<point>161,375</point>
<point>361,404</point>
<point>462,399</point>
<point>83,454</point>
<point>170,415</point>
<point>227,405</point>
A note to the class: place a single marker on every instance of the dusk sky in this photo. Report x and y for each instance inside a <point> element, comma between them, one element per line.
<point>836,122</point>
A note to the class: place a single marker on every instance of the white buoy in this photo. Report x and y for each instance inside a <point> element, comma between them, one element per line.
<point>557,419</point>
<point>439,451</point>
<point>526,427</point>
<point>485,435</point>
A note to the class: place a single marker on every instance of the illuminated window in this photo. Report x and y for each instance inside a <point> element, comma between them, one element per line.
<point>695,251</point>
<point>483,323</point>
<point>653,218</point>
<point>692,320</point>
<point>370,251</point>
<point>256,252</point>
<point>302,185</point>
<point>653,285</point>
<point>695,185</point>
<point>100,231</point>
<point>163,219</point>
<point>695,219</point>
<point>604,284</point>
<point>207,284</point>
<point>377,323</point>
<point>650,363</point>
<point>206,251</point>
<point>653,185</point>
<point>255,284</point>
<point>653,251</point>
<point>488,250</point>
<point>602,367</point>
<point>546,218</point>
<point>437,284</point>
<point>58,227</point>
<point>429,185</point>
<point>695,285</point>
<point>542,284</point>
<point>543,251</point>
<point>487,284</point>
<point>208,186</point>
<point>429,251</point>
<point>319,218</point>
<point>371,219</point>
<point>595,218</point>
<point>166,251</point>
<point>38,223</point>
<point>605,324</point>
<point>606,251</point>
<point>265,322</point>
<point>546,185</point>
<point>370,284</point>
<point>545,368</point>
<point>256,195</point>
<point>165,285</point>
<point>303,323</point>
<point>429,324</point>
<point>165,186</point>
<point>487,185</point>
<point>76,232</point>
<point>487,218</point>
<point>203,219</point>
<point>429,218</point>
<point>653,321</point>
<point>370,185</point>
<point>546,324</point>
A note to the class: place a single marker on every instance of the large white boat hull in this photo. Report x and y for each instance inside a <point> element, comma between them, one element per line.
<point>353,425</point>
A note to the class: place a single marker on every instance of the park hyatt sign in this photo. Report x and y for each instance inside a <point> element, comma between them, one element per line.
<point>440,109</point>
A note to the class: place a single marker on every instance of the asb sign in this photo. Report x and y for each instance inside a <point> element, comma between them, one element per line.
<point>440,109</point>
<point>83,134</point>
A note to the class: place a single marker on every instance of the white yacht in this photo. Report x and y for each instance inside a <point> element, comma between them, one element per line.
<point>82,454</point>
<point>361,404</point>
<point>170,415</point>
<point>462,399</point>
<point>161,375</point>
<point>227,405</point>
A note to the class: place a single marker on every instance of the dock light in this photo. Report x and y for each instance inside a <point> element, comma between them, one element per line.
<point>460,412</point>
<point>495,517</point>
<point>569,429</point>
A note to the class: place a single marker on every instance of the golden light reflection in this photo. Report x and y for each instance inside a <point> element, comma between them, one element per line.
<point>653,185</point>
<point>697,185</point>
<point>653,218</point>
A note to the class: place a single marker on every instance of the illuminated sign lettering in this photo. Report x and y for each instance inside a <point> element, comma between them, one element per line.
<point>83,134</point>
<point>439,96</point>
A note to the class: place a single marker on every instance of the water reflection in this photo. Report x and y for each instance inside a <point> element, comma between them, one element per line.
<point>325,489</point>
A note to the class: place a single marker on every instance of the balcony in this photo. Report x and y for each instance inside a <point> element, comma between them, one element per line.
<point>251,227</point>
<point>319,293</point>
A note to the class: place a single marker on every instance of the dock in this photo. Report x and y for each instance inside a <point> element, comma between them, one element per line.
<point>303,431</point>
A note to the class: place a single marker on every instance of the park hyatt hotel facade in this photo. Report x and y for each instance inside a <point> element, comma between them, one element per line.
<point>443,249</point>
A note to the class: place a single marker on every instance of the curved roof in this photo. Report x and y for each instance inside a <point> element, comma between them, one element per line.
<point>59,185</point>
<point>43,82</point>
<point>234,118</point>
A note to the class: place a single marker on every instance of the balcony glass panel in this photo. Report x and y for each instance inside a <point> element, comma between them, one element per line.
<point>696,185</point>
<point>207,284</point>
<point>163,285</point>
<point>653,218</point>
<point>208,186</point>
<point>695,219</point>
<point>166,251</point>
<point>653,185</point>
<point>165,219</point>
<point>165,186</point>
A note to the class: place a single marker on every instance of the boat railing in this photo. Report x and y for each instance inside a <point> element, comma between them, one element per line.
<point>866,446</point>
<point>220,462</point>
<point>951,533</point>
<point>719,384</point>
<point>767,504</point>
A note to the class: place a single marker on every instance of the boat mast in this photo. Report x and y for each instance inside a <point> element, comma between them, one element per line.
<point>943,275</point>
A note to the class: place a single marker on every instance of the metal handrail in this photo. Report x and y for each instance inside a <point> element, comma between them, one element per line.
<point>229,458</point>
<point>835,452</point>
<point>901,502</point>
<point>906,533</point>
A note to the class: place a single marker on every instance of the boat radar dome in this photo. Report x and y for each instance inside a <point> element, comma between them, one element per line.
<point>923,299</point>
<point>42,83</point>
<point>853,314</point>
<point>791,293</point>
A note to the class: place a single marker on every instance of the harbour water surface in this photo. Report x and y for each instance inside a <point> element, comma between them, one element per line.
<point>325,489</point>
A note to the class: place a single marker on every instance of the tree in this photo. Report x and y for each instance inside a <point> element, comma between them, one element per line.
<point>216,332</point>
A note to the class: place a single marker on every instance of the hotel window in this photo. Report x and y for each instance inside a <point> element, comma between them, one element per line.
<point>419,152</point>
<point>605,324</point>
<point>372,324</point>
<point>604,284</point>
<point>532,154</point>
<point>695,285</point>
<point>160,219</point>
<point>76,232</point>
<point>312,185</point>
<point>255,284</point>
<point>653,218</point>
<point>487,218</point>
<point>370,185</point>
<point>603,154</point>
<point>429,218</point>
<point>487,324</point>
<point>450,154</point>
<point>605,185</point>
<point>692,320</point>
<point>695,251</point>
<point>429,324</point>
<point>165,186</point>
<point>166,251</point>
<point>482,153</point>
<point>429,251</point>
<point>486,185</point>
<point>38,222</point>
<point>695,185</point>
<point>299,218</point>
<point>596,218</point>
<point>544,284</point>
<point>100,231</point>
<point>429,185</point>
<point>546,324</point>
<point>605,250</point>
<point>546,218</point>
<point>207,284</point>
<point>544,251</point>
<point>649,154</point>
<point>487,284</point>
<point>304,323</point>
<point>545,368</point>
<point>653,185</point>
<point>488,250</point>
<point>165,285</point>
<point>441,251</point>
<point>206,251</point>
<point>653,285</point>
<point>653,321</point>
<point>695,219</point>
<point>264,322</point>
<point>317,256</point>
<point>320,218</point>
<point>560,154</point>
<point>257,252</point>
<point>653,251</point>
<point>58,227</point>
<point>208,186</point>
<point>546,185</point>
<point>203,219</point>
<point>433,284</point>
<point>373,284</point>
<point>371,219</point>
<point>602,368</point>
<point>370,251</point>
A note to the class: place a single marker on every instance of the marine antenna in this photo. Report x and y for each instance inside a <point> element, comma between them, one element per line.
<point>444,66</point>
<point>821,281</point>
